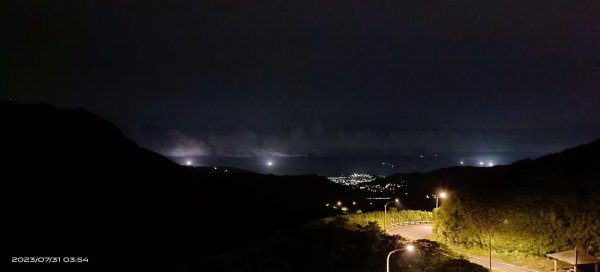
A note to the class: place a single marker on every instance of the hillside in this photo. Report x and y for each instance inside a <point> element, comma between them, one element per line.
<point>574,170</point>
<point>72,184</point>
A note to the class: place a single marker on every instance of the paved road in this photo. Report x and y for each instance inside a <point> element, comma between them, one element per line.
<point>412,232</point>
<point>497,266</point>
<point>416,232</point>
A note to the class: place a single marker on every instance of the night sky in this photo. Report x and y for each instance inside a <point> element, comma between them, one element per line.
<point>327,87</point>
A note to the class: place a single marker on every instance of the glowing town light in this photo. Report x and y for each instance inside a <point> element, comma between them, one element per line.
<point>353,202</point>
<point>339,203</point>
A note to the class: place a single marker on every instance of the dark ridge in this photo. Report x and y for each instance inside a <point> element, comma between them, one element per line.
<point>73,185</point>
<point>574,170</point>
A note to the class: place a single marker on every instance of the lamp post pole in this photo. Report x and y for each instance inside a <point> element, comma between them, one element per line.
<point>387,264</point>
<point>491,229</point>
<point>442,195</point>
<point>385,211</point>
<point>491,232</point>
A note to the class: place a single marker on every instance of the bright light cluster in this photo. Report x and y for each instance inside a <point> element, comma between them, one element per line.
<point>353,179</point>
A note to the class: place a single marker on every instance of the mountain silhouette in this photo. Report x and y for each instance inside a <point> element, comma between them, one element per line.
<point>74,185</point>
<point>572,171</point>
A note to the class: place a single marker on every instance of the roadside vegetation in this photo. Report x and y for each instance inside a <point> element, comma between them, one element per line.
<point>523,227</point>
<point>393,216</point>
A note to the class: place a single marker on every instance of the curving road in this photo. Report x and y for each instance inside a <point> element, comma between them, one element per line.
<point>416,232</point>
<point>497,266</point>
<point>412,232</point>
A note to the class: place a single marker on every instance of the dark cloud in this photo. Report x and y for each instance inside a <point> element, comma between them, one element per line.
<point>181,145</point>
<point>319,141</point>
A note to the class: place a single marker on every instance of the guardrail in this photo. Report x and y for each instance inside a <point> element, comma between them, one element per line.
<point>407,224</point>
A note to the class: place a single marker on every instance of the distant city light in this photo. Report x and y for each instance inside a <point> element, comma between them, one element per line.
<point>339,203</point>
<point>353,202</point>
<point>361,181</point>
<point>353,179</point>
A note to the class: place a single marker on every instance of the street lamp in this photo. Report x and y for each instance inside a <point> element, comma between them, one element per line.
<point>408,247</point>
<point>491,230</point>
<point>442,195</point>
<point>385,210</point>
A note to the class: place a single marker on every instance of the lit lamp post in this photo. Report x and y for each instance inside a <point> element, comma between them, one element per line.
<point>491,230</point>
<point>385,210</point>
<point>408,247</point>
<point>442,195</point>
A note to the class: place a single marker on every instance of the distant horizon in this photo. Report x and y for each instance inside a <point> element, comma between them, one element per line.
<point>339,162</point>
<point>345,165</point>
